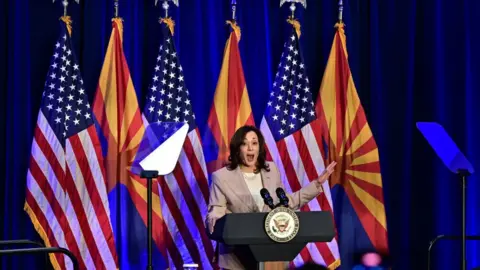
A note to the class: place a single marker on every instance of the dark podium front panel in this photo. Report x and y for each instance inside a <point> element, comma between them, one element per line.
<point>247,230</point>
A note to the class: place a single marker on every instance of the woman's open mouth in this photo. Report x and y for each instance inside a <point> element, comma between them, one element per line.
<point>250,157</point>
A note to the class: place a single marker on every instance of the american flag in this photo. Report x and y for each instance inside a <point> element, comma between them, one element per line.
<point>66,195</point>
<point>288,126</point>
<point>184,193</point>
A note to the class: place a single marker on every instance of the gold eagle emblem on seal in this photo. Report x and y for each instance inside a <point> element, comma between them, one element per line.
<point>282,224</point>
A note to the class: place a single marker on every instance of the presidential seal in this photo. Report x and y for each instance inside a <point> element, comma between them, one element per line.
<point>282,224</point>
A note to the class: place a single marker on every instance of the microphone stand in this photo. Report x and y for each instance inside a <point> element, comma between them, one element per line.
<point>280,204</point>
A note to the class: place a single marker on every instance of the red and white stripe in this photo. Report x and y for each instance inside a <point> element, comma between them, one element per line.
<point>299,160</point>
<point>184,197</point>
<point>67,199</point>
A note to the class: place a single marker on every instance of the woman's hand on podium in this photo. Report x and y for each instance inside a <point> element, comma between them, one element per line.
<point>215,214</point>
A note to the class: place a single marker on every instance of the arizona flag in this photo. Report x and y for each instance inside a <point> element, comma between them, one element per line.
<point>357,192</point>
<point>231,105</point>
<point>121,129</point>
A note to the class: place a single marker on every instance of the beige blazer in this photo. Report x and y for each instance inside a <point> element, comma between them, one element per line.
<point>230,194</point>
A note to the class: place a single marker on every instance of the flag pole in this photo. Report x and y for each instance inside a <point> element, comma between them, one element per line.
<point>65,6</point>
<point>115,6</point>
<point>165,5</point>
<point>340,11</point>
<point>292,5</point>
<point>65,18</point>
<point>233,21</point>
<point>234,9</point>
<point>293,8</point>
<point>294,22</point>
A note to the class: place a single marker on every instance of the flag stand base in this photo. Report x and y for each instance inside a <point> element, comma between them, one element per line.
<point>149,175</point>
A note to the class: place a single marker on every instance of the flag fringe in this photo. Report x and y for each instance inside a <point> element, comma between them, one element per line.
<point>170,23</point>
<point>296,24</point>
<point>235,28</point>
<point>68,21</point>
<point>38,227</point>
<point>340,26</point>
<point>334,265</point>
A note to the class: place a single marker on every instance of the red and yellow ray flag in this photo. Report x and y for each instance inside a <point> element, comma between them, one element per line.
<point>231,106</point>
<point>121,129</point>
<point>357,191</point>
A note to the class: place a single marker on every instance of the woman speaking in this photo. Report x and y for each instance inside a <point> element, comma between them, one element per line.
<point>236,189</point>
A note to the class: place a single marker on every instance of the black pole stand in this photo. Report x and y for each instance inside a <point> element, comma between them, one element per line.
<point>463,175</point>
<point>446,237</point>
<point>149,175</point>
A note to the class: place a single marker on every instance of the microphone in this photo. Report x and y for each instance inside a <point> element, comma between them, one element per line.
<point>282,196</point>
<point>267,199</point>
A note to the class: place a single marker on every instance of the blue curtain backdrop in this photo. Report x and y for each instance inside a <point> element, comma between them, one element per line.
<point>411,61</point>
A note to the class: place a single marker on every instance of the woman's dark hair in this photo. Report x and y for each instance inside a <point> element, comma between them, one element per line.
<point>234,160</point>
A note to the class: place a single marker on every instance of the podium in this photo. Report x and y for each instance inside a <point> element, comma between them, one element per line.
<point>246,231</point>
